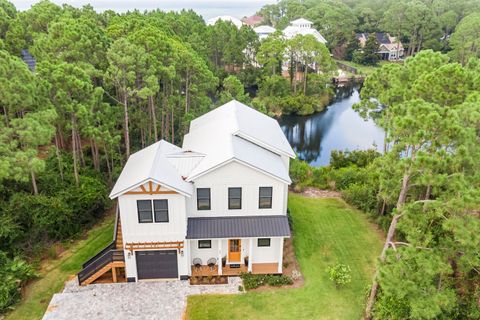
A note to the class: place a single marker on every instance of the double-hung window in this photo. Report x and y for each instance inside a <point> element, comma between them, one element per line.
<point>265,197</point>
<point>144,208</point>
<point>160,208</point>
<point>149,210</point>
<point>203,199</point>
<point>234,198</point>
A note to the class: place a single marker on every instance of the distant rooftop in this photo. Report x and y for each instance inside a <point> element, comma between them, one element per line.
<point>28,59</point>
<point>235,21</point>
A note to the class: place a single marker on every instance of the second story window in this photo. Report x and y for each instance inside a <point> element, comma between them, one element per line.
<point>265,197</point>
<point>144,208</point>
<point>161,210</point>
<point>203,198</point>
<point>234,198</point>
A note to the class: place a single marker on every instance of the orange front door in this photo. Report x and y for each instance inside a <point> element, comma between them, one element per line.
<point>234,250</point>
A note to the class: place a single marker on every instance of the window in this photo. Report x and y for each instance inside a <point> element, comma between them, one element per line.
<point>204,244</point>
<point>234,198</point>
<point>160,208</point>
<point>263,242</point>
<point>265,198</point>
<point>144,208</point>
<point>203,198</point>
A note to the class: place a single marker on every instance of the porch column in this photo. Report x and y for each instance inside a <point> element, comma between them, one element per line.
<point>250,254</point>
<point>219,263</point>
<point>280,256</point>
<point>186,251</point>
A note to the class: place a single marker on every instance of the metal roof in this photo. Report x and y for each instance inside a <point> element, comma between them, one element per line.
<point>238,226</point>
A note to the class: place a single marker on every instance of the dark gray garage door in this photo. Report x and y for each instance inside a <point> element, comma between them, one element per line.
<point>157,264</point>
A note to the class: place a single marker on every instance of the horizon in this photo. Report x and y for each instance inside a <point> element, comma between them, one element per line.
<point>206,8</point>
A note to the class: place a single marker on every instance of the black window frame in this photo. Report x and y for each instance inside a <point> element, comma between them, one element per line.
<point>231,198</point>
<point>204,241</point>
<point>138,211</point>
<point>260,197</point>
<point>161,210</point>
<point>203,198</point>
<point>264,239</point>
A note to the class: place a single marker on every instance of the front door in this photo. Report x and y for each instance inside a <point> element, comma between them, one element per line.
<point>234,250</point>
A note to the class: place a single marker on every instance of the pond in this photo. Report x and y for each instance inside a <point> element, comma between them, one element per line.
<point>339,127</point>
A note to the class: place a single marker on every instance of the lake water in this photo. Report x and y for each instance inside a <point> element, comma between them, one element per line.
<point>338,127</point>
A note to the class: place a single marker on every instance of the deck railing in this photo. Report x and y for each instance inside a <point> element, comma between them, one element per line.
<point>101,261</point>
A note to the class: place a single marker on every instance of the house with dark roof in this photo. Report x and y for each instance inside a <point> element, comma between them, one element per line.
<point>217,205</point>
<point>388,47</point>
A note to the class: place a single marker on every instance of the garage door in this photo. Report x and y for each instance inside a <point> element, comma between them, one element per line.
<point>157,264</point>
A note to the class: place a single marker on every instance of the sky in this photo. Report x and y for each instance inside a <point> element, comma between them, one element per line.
<point>206,8</point>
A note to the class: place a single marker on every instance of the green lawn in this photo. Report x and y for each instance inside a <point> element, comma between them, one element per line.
<point>362,69</point>
<point>326,231</point>
<point>54,273</point>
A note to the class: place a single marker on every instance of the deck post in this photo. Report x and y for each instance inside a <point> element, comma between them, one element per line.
<point>280,256</point>
<point>219,262</point>
<point>250,255</point>
<point>114,274</point>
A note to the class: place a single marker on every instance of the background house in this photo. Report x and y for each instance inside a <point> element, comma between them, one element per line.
<point>302,27</point>
<point>389,48</point>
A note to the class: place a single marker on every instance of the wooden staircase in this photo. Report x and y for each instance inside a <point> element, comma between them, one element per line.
<point>110,267</point>
<point>118,237</point>
<point>108,262</point>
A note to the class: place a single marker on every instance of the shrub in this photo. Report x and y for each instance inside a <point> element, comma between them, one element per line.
<point>14,273</point>
<point>300,171</point>
<point>360,158</point>
<point>339,274</point>
<point>361,196</point>
<point>252,281</point>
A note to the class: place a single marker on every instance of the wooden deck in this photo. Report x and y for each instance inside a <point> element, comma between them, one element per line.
<point>257,268</point>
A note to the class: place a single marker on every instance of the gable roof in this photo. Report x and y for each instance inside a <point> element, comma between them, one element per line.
<point>151,164</point>
<point>235,21</point>
<point>233,132</point>
<point>236,132</point>
<point>300,21</point>
<point>264,29</point>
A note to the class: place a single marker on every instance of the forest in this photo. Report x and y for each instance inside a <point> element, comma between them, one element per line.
<point>108,84</point>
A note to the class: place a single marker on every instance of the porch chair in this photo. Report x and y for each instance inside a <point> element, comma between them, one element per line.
<point>197,262</point>
<point>211,263</point>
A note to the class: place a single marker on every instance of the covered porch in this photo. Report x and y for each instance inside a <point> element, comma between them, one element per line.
<point>229,246</point>
<point>257,268</point>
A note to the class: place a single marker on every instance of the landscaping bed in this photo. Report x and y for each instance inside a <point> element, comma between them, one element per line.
<point>203,280</point>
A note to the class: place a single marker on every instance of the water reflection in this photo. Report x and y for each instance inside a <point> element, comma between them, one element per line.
<point>339,127</point>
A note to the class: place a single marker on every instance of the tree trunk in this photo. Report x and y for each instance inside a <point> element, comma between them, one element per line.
<point>151,101</point>
<point>428,192</point>
<point>80,150</point>
<point>186,92</point>
<point>74,149</point>
<point>305,80</point>
<point>125,125</point>
<point>172,123</point>
<point>391,233</point>
<point>59,158</point>
<point>34,182</point>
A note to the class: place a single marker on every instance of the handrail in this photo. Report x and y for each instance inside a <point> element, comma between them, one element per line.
<point>110,246</point>
<point>108,257</point>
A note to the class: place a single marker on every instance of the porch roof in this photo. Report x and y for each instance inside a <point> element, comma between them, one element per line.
<point>239,226</point>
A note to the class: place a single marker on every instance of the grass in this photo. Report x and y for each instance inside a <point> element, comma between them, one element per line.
<point>326,231</point>
<point>54,273</point>
<point>362,69</point>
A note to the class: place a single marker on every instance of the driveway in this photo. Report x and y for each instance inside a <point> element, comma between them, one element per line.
<point>121,301</point>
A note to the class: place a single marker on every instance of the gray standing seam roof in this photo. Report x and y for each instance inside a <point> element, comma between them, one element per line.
<point>239,226</point>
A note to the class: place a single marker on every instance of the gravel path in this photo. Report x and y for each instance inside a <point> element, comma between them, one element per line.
<point>121,301</point>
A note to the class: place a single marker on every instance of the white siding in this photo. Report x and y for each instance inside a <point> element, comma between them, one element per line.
<point>236,174</point>
<point>266,254</point>
<point>133,231</point>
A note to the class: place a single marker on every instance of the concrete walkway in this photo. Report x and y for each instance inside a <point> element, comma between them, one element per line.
<point>121,301</point>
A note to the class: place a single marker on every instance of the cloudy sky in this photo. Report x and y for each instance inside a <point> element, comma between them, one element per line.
<point>207,8</point>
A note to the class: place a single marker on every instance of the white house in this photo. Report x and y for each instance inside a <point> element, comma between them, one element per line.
<point>237,22</point>
<point>215,206</point>
<point>264,31</point>
<point>388,47</point>
<point>302,27</point>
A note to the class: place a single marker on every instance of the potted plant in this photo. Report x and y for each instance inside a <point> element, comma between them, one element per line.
<point>224,261</point>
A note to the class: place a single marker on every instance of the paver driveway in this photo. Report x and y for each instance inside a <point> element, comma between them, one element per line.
<point>122,301</point>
